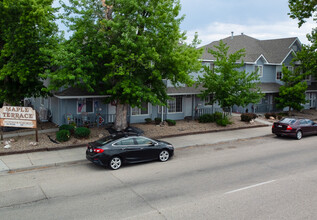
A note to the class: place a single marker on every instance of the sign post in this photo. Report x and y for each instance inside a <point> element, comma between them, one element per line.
<point>16,116</point>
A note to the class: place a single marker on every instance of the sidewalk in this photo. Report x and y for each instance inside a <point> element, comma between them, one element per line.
<point>38,160</point>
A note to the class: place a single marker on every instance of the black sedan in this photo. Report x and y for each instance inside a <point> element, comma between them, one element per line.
<point>115,150</point>
<point>294,127</point>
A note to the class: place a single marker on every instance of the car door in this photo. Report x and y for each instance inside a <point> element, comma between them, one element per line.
<point>130,152</point>
<point>303,123</point>
<point>311,127</point>
<point>149,150</point>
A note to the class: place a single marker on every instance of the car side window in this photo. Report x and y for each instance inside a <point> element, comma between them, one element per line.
<point>310,122</point>
<point>303,122</point>
<point>143,141</point>
<point>125,141</point>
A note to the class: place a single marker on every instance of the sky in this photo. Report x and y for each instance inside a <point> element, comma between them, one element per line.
<point>216,19</point>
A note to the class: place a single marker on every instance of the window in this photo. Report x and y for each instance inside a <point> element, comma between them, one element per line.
<point>290,68</point>
<point>259,68</point>
<point>144,110</point>
<point>208,100</point>
<point>279,75</point>
<point>126,141</point>
<point>143,141</point>
<point>85,105</point>
<point>175,105</point>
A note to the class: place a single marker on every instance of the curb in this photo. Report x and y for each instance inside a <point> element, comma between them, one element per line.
<point>158,137</point>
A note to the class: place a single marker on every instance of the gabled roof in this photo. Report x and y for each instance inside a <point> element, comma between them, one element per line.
<point>273,51</point>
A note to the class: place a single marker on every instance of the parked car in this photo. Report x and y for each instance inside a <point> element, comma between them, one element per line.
<point>115,150</point>
<point>294,127</point>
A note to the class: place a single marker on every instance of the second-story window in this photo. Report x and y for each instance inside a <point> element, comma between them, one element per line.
<point>259,68</point>
<point>290,68</point>
<point>279,75</point>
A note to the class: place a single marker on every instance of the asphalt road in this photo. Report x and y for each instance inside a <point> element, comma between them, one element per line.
<point>263,178</point>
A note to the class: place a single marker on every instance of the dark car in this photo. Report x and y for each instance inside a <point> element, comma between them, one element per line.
<point>115,150</point>
<point>294,127</point>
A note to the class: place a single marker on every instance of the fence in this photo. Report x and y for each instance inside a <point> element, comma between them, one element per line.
<point>90,120</point>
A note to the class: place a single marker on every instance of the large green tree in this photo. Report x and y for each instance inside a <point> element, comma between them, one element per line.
<point>27,39</point>
<point>226,82</point>
<point>303,10</point>
<point>125,49</point>
<point>292,93</point>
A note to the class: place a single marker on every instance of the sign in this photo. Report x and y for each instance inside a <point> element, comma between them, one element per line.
<point>16,116</point>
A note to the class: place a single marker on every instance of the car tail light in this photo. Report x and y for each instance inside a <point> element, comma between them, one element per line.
<point>98,150</point>
<point>289,128</point>
<point>273,126</point>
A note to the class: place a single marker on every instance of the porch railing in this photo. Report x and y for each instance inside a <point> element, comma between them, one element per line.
<point>91,120</point>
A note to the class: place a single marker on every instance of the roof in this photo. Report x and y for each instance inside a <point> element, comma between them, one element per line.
<point>270,87</point>
<point>184,90</point>
<point>73,93</point>
<point>273,51</point>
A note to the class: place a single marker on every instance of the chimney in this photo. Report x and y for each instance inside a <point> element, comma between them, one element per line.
<point>231,34</point>
<point>242,33</point>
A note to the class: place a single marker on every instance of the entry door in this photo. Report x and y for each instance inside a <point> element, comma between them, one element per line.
<point>312,100</point>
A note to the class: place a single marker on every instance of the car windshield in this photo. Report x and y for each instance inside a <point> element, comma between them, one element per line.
<point>288,120</point>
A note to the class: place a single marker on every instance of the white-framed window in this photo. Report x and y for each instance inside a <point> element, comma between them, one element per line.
<point>85,106</point>
<point>259,68</point>
<point>290,68</point>
<point>279,75</point>
<point>208,100</point>
<point>175,105</point>
<point>144,110</point>
<point>307,77</point>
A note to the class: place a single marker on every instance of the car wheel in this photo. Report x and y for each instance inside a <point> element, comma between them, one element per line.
<point>115,163</point>
<point>299,135</point>
<point>278,135</point>
<point>164,155</point>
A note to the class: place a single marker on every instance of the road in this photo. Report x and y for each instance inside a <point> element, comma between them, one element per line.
<point>262,178</point>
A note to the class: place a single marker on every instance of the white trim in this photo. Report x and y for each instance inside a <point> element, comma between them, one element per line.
<point>93,106</point>
<point>294,42</point>
<point>262,57</point>
<point>287,56</point>
<point>82,97</point>
<point>148,111</point>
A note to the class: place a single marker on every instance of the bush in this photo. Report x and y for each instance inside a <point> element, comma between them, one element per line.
<point>247,117</point>
<point>63,135</point>
<point>148,120</point>
<point>157,121</point>
<point>82,132</point>
<point>70,128</point>
<point>223,121</point>
<point>217,116</point>
<point>170,122</point>
<point>207,118</point>
<point>270,114</point>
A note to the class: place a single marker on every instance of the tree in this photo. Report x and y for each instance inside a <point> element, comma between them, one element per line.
<point>228,85</point>
<point>124,49</point>
<point>27,40</point>
<point>302,10</point>
<point>292,93</point>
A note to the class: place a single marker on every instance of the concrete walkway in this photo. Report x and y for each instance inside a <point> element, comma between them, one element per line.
<point>38,160</point>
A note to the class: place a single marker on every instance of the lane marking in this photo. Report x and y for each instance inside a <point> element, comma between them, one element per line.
<point>248,187</point>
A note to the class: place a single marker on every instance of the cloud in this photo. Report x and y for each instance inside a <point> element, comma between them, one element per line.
<point>218,30</point>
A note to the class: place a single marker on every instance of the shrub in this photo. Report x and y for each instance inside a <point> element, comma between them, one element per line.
<point>206,118</point>
<point>217,116</point>
<point>82,132</point>
<point>170,122</point>
<point>157,121</point>
<point>223,121</point>
<point>269,114</point>
<point>247,117</point>
<point>148,120</point>
<point>70,128</point>
<point>63,135</point>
